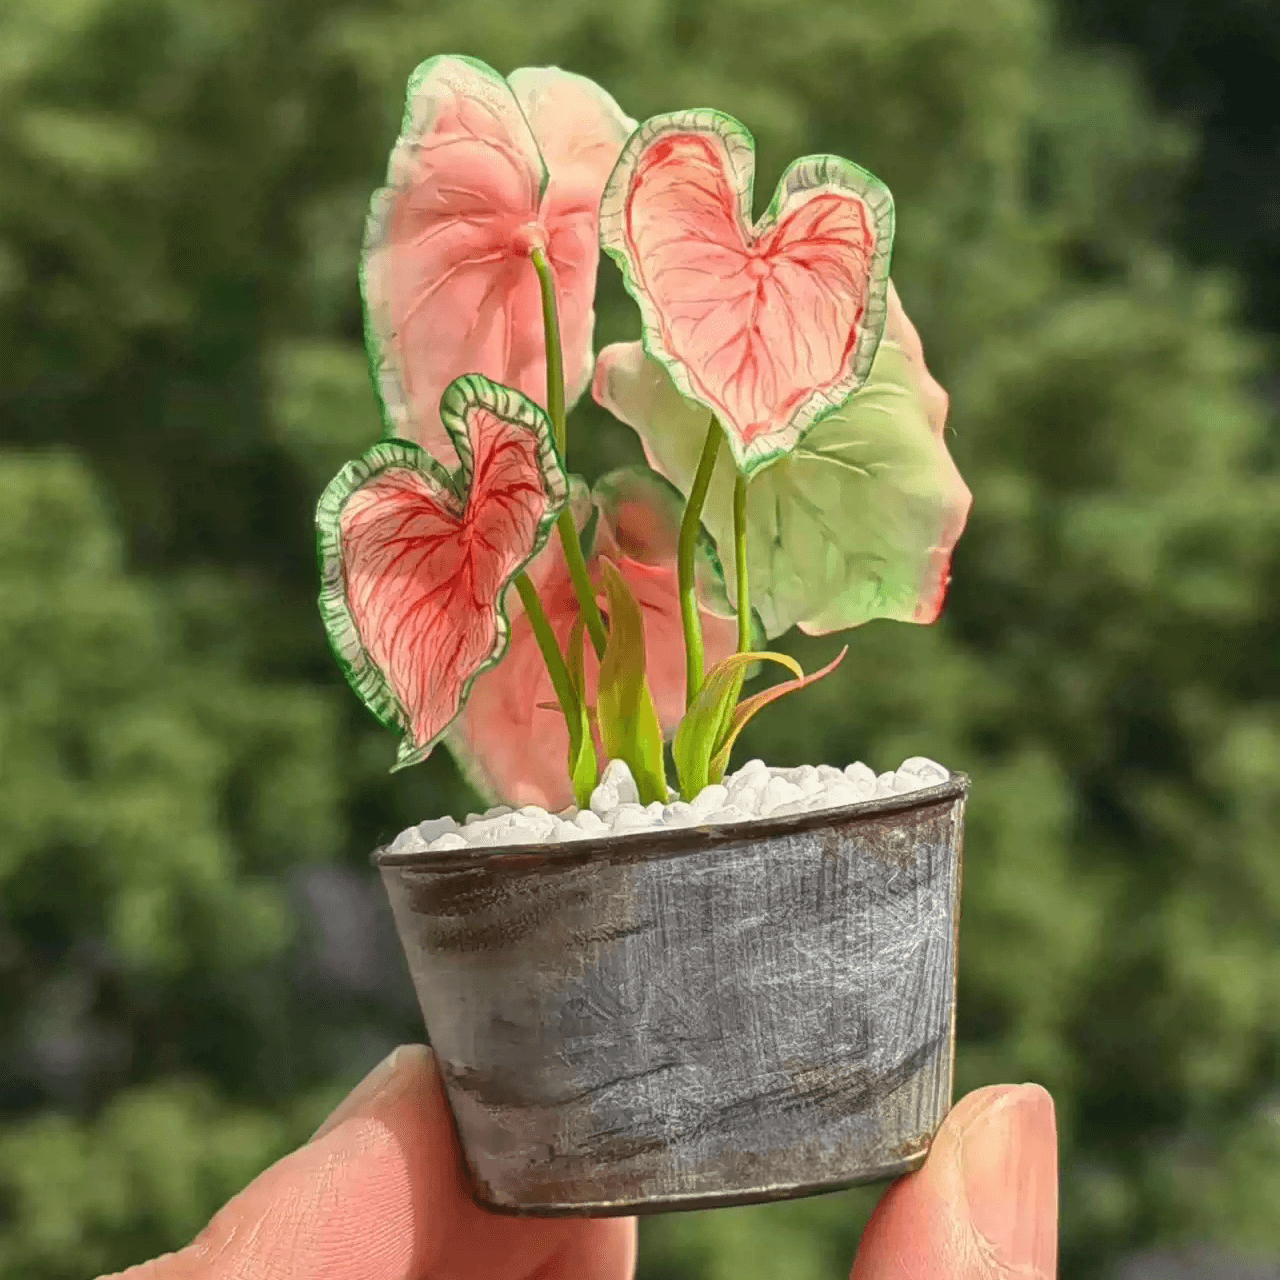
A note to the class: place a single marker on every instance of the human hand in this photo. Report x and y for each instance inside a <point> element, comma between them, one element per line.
<point>381,1193</point>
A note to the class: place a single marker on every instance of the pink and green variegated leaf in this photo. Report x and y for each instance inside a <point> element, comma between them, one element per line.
<point>858,522</point>
<point>415,562</point>
<point>483,170</point>
<point>770,325</point>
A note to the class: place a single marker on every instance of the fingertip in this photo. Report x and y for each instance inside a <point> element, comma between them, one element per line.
<point>987,1193</point>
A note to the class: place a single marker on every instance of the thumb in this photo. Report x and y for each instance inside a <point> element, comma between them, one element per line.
<point>985,1204</point>
<point>300,1217</point>
<point>381,1193</point>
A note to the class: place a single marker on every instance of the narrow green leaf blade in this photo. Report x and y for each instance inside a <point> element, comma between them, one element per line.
<point>584,768</point>
<point>747,709</point>
<point>706,721</point>
<point>628,720</point>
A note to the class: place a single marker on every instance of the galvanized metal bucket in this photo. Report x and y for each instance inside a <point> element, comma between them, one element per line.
<point>697,1017</point>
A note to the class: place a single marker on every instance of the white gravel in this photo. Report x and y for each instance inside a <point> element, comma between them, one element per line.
<point>755,791</point>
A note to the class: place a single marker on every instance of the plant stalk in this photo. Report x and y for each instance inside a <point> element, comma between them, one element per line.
<point>740,561</point>
<point>557,669</point>
<point>685,548</point>
<point>555,411</point>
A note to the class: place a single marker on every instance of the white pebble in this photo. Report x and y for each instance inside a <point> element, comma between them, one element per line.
<point>433,828</point>
<point>679,814</point>
<point>629,817</point>
<point>786,810</point>
<point>407,842</point>
<point>746,789</point>
<point>590,822</point>
<point>450,840</point>
<point>525,833</point>
<point>709,799</point>
<point>861,776</point>
<point>835,797</point>
<point>809,780</point>
<point>777,793</point>
<point>617,775</point>
<point>730,813</point>
<point>930,772</point>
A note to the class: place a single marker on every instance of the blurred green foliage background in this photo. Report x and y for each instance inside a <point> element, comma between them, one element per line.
<point>195,961</point>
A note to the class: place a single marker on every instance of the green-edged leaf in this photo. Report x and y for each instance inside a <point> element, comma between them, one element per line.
<point>707,721</point>
<point>629,726</point>
<point>415,562</point>
<point>768,325</point>
<point>747,709</point>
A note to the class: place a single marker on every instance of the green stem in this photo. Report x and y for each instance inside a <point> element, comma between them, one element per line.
<point>740,561</point>
<point>551,655</point>
<point>555,354</point>
<point>555,411</point>
<point>689,527</point>
<point>581,581</point>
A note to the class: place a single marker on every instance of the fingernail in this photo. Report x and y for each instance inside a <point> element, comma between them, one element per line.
<point>360,1098</point>
<point>1009,1162</point>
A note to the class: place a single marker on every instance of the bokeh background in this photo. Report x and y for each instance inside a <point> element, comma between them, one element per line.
<point>195,958</point>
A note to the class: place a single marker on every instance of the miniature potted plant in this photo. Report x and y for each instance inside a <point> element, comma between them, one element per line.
<point>646,996</point>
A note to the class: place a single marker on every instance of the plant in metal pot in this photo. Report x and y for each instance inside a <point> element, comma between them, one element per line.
<point>740,986</point>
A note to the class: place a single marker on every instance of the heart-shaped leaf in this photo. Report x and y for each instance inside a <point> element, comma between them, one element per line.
<point>629,725</point>
<point>857,523</point>
<point>706,723</point>
<point>747,708</point>
<point>415,562</point>
<point>484,168</point>
<point>768,326</point>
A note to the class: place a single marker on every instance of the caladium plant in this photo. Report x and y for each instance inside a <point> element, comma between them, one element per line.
<point>779,341</point>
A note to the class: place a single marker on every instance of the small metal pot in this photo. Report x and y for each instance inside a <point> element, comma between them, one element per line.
<point>696,1017</point>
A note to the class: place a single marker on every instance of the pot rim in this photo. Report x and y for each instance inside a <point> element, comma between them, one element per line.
<point>658,843</point>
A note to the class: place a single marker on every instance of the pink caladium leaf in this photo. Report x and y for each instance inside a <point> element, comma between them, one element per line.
<point>415,562</point>
<point>484,169</point>
<point>771,325</point>
<point>511,741</point>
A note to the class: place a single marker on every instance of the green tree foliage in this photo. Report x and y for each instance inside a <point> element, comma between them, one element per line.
<point>1213,67</point>
<point>182,186</point>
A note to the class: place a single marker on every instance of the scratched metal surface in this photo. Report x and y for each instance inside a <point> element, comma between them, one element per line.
<point>697,1017</point>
